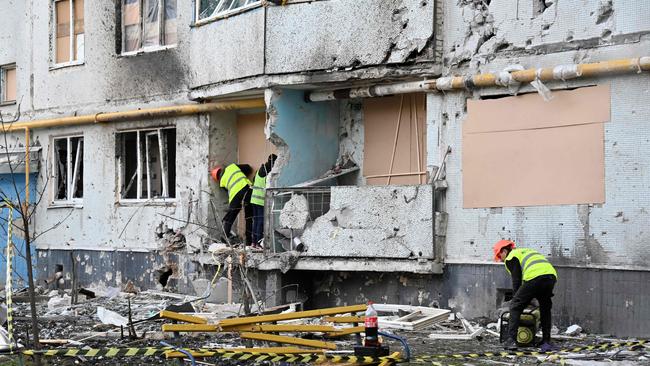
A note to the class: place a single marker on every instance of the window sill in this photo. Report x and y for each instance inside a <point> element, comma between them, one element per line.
<point>170,202</point>
<point>225,15</point>
<point>66,65</point>
<point>7,103</point>
<point>147,50</point>
<point>65,204</point>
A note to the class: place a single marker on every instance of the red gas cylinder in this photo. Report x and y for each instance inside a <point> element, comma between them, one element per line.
<point>371,325</point>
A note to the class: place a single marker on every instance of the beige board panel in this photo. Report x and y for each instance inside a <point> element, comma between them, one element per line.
<point>10,85</point>
<point>530,111</point>
<point>78,16</point>
<point>551,166</point>
<point>62,31</point>
<point>252,146</point>
<point>381,117</point>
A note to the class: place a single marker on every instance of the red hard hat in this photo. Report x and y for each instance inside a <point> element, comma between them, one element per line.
<point>215,172</point>
<point>500,245</point>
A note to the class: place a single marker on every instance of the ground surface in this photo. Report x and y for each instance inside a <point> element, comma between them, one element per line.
<point>80,322</point>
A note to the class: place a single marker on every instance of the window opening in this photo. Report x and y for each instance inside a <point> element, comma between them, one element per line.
<point>68,169</point>
<point>215,8</point>
<point>147,164</point>
<point>69,31</point>
<point>8,84</point>
<point>148,24</point>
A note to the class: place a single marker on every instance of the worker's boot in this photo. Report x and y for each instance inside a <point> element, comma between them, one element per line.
<point>510,345</point>
<point>547,346</point>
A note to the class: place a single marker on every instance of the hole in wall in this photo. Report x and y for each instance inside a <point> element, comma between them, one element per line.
<point>163,275</point>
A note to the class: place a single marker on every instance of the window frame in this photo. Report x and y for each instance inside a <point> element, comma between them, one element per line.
<point>142,49</point>
<point>71,175</point>
<point>201,21</point>
<point>142,160</point>
<point>3,84</point>
<point>81,60</point>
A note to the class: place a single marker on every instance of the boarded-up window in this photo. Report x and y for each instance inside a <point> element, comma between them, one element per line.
<point>395,136</point>
<point>148,24</point>
<point>523,151</point>
<point>252,146</point>
<point>8,84</point>
<point>69,19</point>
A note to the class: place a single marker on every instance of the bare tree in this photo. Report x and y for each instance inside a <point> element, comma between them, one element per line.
<point>16,194</point>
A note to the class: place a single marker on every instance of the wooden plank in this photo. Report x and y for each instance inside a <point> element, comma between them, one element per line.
<point>278,350</point>
<point>347,331</point>
<point>289,328</point>
<point>289,316</point>
<point>190,328</point>
<point>288,340</point>
<point>344,319</point>
<point>166,314</point>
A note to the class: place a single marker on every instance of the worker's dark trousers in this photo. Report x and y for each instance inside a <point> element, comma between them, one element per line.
<point>540,288</point>
<point>258,223</point>
<point>242,198</point>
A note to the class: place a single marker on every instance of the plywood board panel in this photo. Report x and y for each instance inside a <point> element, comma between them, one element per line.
<point>530,111</point>
<point>252,146</point>
<point>552,166</point>
<point>381,116</point>
<point>10,85</point>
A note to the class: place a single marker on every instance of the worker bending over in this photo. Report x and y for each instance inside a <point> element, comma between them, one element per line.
<point>234,179</point>
<point>257,199</point>
<point>533,276</point>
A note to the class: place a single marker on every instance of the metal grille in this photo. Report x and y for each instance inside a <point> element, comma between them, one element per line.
<point>281,239</point>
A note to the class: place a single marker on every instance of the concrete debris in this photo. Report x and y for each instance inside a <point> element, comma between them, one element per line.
<point>288,260</point>
<point>573,330</point>
<point>295,213</point>
<point>111,317</point>
<point>56,302</point>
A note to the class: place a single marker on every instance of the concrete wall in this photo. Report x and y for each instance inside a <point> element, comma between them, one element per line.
<point>106,223</point>
<point>617,300</point>
<point>612,234</point>
<point>374,222</point>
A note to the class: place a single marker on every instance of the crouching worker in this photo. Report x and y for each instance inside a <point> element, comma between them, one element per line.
<point>234,179</point>
<point>533,277</point>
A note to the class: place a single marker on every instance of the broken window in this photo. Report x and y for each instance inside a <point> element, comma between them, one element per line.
<point>215,8</point>
<point>147,163</point>
<point>395,136</point>
<point>8,84</point>
<point>148,24</point>
<point>69,31</point>
<point>68,168</point>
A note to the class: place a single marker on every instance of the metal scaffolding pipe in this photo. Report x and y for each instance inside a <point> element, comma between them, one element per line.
<point>504,78</point>
<point>139,114</point>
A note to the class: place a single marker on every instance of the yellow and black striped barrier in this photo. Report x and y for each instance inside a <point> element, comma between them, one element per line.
<point>595,347</point>
<point>254,357</point>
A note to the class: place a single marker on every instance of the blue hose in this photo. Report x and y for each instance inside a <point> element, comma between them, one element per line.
<point>407,349</point>
<point>186,353</point>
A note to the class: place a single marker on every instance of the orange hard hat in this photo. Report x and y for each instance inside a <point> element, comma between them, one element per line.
<point>500,245</point>
<point>215,172</point>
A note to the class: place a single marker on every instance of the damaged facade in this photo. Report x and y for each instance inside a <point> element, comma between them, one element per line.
<point>132,200</point>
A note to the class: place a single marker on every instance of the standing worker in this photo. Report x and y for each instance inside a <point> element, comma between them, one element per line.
<point>234,179</point>
<point>538,276</point>
<point>257,200</point>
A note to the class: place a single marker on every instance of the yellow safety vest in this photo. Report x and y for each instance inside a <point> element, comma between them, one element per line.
<point>233,180</point>
<point>259,185</point>
<point>532,263</point>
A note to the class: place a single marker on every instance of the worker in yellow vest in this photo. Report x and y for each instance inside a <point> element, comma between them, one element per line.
<point>257,200</point>
<point>533,276</point>
<point>234,179</point>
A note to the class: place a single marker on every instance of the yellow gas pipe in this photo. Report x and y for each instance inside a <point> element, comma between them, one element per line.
<point>139,114</point>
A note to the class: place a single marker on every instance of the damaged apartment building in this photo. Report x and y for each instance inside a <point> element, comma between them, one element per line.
<point>411,135</point>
